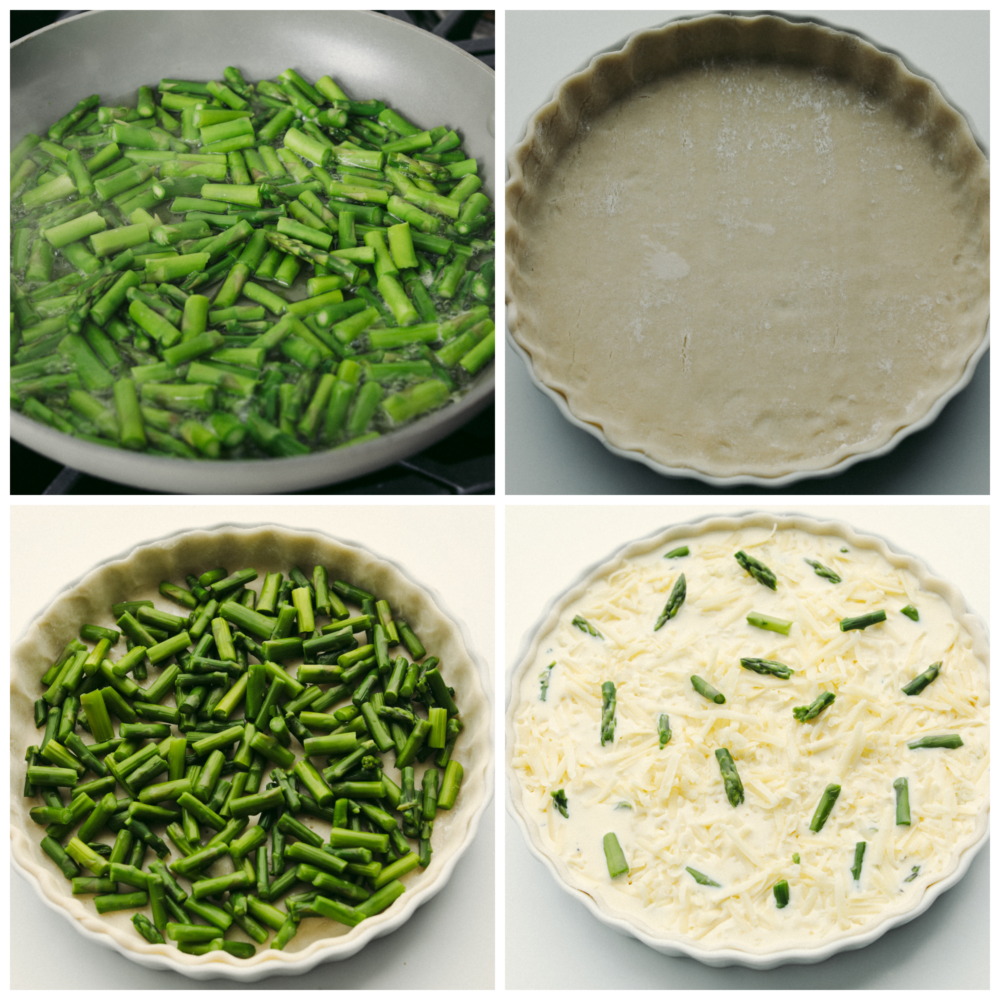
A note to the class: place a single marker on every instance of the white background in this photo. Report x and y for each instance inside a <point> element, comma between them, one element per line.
<point>553,941</point>
<point>449,941</point>
<point>548,455</point>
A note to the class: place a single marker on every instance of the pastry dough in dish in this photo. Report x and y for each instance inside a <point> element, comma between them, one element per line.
<point>743,246</point>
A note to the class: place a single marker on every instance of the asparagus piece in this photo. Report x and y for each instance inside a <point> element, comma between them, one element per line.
<point>823,571</point>
<point>796,859</point>
<point>609,702</point>
<point>772,667</point>
<point>678,553</point>
<point>674,602</point>
<point>805,713</point>
<point>825,807</point>
<point>759,620</point>
<point>707,691</point>
<point>663,727</point>
<point>617,865</point>
<point>730,776</point>
<point>700,878</point>
<point>545,677</point>
<point>862,621</point>
<point>584,626</point>
<point>922,680</point>
<point>559,798</point>
<point>911,612</point>
<point>951,741</point>
<point>757,570</point>
<point>859,857</point>
<point>914,872</point>
<point>781,894</point>
<point>902,787</point>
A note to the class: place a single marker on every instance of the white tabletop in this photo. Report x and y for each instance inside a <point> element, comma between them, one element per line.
<point>548,455</point>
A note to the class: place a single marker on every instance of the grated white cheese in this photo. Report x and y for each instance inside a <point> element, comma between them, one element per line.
<point>679,815</point>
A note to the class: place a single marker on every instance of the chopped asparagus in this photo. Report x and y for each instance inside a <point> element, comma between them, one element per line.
<point>825,807</point>
<point>677,553</point>
<point>804,713</point>
<point>707,691</point>
<point>759,620</point>
<point>911,612</point>
<point>584,626</point>
<point>617,865</point>
<point>823,571</point>
<point>772,667</point>
<point>663,726</point>
<point>862,621</point>
<point>781,894</point>
<point>609,702</point>
<point>545,676</point>
<point>673,604</point>
<point>730,776</point>
<point>559,798</point>
<point>902,801</point>
<point>701,879</point>
<point>951,741</point>
<point>922,680</point>
<point>859,855</point>
<point>757,570</point>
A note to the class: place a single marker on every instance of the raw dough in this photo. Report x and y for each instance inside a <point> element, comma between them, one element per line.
<point>748,266</point>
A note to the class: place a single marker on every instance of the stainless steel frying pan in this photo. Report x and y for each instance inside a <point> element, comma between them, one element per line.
<point>371,56</point>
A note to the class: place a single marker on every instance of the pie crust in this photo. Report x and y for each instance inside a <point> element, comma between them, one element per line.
<point>743,246</point>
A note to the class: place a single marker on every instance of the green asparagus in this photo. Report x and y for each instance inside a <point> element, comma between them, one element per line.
<point>806,713</point>
<point>757,570</point>
<point>609,700</point>
<point>922,680</point>
<point>823,571</point>
<point>771,667</point>
<point>674,602</point>
<point>559,800</point>
<point>730,776</point>
<point>824,808</point>
<point>862,621</point>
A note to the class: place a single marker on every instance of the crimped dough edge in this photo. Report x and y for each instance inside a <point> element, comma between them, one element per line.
<point>672,943</point>
<point>654,53</point>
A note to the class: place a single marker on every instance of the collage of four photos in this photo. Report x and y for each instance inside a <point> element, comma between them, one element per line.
<point>541,703</point>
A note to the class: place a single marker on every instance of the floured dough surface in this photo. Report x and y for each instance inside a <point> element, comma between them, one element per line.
<point>750,268</point>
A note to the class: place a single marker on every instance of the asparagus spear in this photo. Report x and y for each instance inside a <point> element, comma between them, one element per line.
<point>759,620</point>
<point>859,856</point>
<point>678,553</point>
<point>700,878</point>
<point>617,865</point>
<point>781,894</point>
<point>862,621</point>
<point>545,677</point>
<point>772,667</point>
<point>911,612</point>
<point>663,727</point>
<point>707,691</point>
<point>825,807</point>
<point>805,713</point>
<point>730,777</point>
<point>610,700</point>
<point>559,798</point>
<point>757,570</point>
<point>902,787</point>
<point>952,741</point>
<point>823,571</point>
<point>922,680</point>
<point>584,626</point>
<point>673,605</point>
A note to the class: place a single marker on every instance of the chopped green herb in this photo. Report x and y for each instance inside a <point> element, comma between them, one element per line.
<point>914,872</point>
